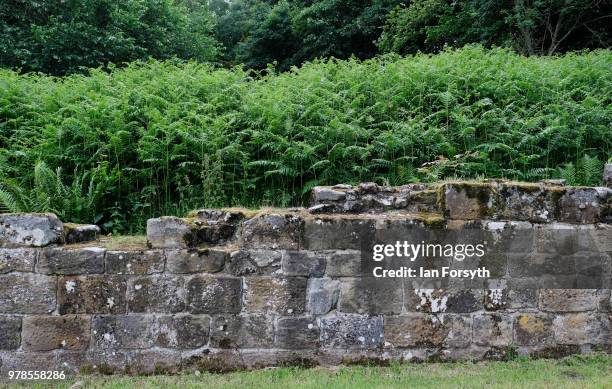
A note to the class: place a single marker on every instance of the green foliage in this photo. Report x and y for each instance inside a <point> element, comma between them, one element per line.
<point>59,37</point>
<point>531,27</point>
<point>161,138</point>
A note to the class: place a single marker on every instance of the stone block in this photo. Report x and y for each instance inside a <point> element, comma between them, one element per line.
<point>195,260</point>
<point>321,194</point>
<point>170,232</point>
<point>526,201</point>
<point>297,333</point>
<point>123,332</point>
<point>65,261</point>
<point>607,176</point>
<point>10,332</point>
<point>533,329</point>
<point>27,293</point>
<point>493,330</point>
<point>323,295</point>
<point>460,334</point>
<point>351,331</point>
<point>580,205</point>
<point>441,300</point>
<point>273,231</point>
<point>329,232</point>
<point>26,361</point>
<point>271,294</point>
<point>45,333</point>
<point>182,331</point>
<point>163,293</point>
<point>91,294</point>
<point>153,361</point>
<point>303,263</point>
<point>78,233</point>
<point>134,262</point>
<point>569,300</point>
<point>17,259</point>
<point>207,294</point>
<point>242,331</point>
<point>540,265</point>
<point>417,330</point>
<point>371,295</point>
<point>471,200</point>
<point>343,263</point>
<point>582,328</point>
<point>30,229</point>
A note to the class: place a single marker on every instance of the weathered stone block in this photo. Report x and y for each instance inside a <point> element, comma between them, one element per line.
<point>580,205</point>
<point>303,263</point>
<point>195,260</point>
<point>91,294</point>
<point>607,176</point>
<point>273,231</point>
<point>539,265</point>
<point>270,294</point>
<point>10,332</point>
<point>26,361</point>
<point>134,262</point>
<point>297,333</point>
<point>602,237</point>
<point>165,294</point>
<point>440,300</point>
<point>240,264</point>
<point>323,295</point>
<point>170,232</point>
<point>569,300</point>
<point>343,263</point>
<point>182,331</point>
<point>144,362</point>
<point>460,334</point>
<point>243,331</point>
<point>533,329</point>
<point>493,330</point>
<point>30,229</point>
<point>416,330</point>
<point>371,295</point>
<point>123,332</point>
<point>505,237</point>
<point>77,233</point>
<point>351,331</point>
<point>526,201</point>
<point>496,298</point>
<point>206,294</point>
<point>471,200</point>
<point>17,259</point>
<point>562,238</point>
<point>582,328</point>
<point>329,232</point>
<point>322,194</point>
<point>27,293</point>
<point>44,333</point>
<point>61,260</point>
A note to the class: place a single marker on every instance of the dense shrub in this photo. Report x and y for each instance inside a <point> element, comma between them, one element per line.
<point>164,137</point>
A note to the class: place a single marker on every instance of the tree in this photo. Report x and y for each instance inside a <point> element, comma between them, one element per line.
<point>533,27</point>
<point>59,37</point>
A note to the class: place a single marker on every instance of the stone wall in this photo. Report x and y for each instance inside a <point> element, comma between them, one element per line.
<point>233,288</point>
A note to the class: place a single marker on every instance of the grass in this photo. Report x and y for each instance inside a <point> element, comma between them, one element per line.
<point>572,372</point>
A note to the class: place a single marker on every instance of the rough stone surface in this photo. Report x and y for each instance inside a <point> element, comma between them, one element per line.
<point>271,294</point>
<point>607,176</point>
<point>123,332</point>
<point>582,328</point>
<point>323,295</point>
<point>78,233</point>
<point>351,331</point>
<point>243,331</point>
<point>27,293</point>
<point>91,294</point>
<point>169,232</point>
<point>207,294</point>
<point>324,233</point>
<point>10,332</point>
<point>493,330</point>
<point>297,333</point>
<point>343,263</point>
<point>60,260</point>
<point>470,201</point>
<point>416,330</point>
<point>30,229</point>
<point>45,333</point>
<point>371,295</point>
<point>17,259</point>
<point>134,262</point>
<point>579,205</point>
<point>303,263</point>
<point>569,300</point>
<point>533,329</point>
<point>195,260</point>
<point>274,231</point>
<point>164,294</point>
<point>182,331</point>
